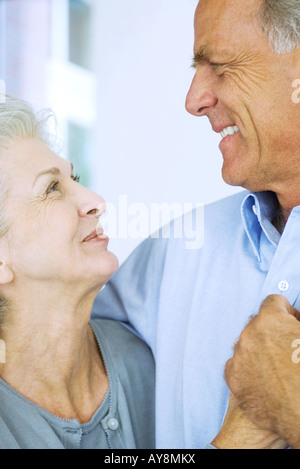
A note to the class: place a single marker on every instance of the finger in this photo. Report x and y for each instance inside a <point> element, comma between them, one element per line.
<point>279,303</point>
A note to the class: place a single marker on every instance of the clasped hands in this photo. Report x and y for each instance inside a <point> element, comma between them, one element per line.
<point>264,380</point>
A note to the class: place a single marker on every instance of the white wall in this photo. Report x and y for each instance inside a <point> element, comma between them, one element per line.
<point>2,39</point>
<point>150,148</point>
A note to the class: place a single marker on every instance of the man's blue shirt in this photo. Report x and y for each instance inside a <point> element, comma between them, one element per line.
<point>190,305</point>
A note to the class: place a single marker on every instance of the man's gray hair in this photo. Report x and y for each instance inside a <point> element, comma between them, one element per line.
<point>280,21</point>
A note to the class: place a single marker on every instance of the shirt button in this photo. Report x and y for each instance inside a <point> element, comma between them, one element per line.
<point>113,424</point>
<point>283,285</point>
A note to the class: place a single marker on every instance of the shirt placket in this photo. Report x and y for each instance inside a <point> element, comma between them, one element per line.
<point>72,437</point>
<point>284,273</point>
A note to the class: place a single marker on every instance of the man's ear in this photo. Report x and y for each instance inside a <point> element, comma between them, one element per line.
<point>6,273</point>
<point>295,77</point>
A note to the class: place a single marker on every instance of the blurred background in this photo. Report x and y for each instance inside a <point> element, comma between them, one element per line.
<point>116,73</point>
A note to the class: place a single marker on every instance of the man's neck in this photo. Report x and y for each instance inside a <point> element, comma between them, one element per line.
<point>288,201</point>
<point>279,221</point>
<point>285,207</point>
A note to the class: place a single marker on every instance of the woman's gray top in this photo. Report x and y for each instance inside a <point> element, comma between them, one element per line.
<point>125,419</point>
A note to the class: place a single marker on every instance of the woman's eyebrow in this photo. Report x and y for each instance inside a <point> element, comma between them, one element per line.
<point>54,171</point>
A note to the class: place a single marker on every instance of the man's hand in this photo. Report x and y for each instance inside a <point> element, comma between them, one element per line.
<point>262,374</point>
<point>238,432</point>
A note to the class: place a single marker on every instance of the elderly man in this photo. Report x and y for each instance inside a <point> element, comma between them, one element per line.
<point>191,306</point>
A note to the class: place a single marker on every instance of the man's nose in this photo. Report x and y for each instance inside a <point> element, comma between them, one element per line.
<point>200,98</point>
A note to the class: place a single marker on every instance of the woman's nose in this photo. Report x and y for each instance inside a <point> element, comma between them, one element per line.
<point>200,98</point>
<point>92,204</point>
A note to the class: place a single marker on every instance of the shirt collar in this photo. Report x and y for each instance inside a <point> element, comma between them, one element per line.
<point>258,210</point>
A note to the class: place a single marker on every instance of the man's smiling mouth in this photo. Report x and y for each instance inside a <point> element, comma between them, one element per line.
<point>229,131</point>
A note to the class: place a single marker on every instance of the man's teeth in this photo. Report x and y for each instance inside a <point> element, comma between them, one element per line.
<point>229,131</point>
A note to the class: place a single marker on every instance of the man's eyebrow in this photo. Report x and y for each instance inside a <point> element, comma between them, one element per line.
<point>200,56</point>
<point>205,54</point>
<point>54,171</point>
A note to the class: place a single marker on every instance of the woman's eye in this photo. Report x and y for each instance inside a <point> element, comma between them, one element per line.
<point>76,178</point>
<point>52,187</point>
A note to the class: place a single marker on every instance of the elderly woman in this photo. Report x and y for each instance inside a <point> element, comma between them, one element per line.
<point>67,381</point>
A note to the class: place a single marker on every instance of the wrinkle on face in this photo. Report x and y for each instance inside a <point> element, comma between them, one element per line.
<point>251,86</point>
<point>247,75</point>
<point>40,206</point>
<point>227,33</point>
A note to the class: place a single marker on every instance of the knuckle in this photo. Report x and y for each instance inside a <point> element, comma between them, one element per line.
<point>271,299</point>
<point>245,338</point>
<point>272,314</point>
<point>228,370</point>
<point>274,302</point>
<point>230,376</point>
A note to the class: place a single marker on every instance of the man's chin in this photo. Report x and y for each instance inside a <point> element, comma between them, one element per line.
<point>235,174</point>
<point>244,184</point>
<point>232,179</point>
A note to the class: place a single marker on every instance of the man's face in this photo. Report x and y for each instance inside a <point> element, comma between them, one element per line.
<point>242,84</point>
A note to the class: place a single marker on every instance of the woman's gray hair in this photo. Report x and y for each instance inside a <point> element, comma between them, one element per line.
<point>18,120</point>
<point>280,21</point>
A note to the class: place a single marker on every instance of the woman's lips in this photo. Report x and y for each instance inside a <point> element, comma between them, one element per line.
<point>94,236</point>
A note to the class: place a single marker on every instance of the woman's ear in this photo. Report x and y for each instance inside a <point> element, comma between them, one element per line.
<point>6,273</point>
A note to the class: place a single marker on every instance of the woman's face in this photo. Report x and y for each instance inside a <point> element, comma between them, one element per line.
<point>51,217</point>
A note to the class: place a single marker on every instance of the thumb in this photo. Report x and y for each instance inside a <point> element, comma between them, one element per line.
<point>294,312</point>
<point>290,309</point>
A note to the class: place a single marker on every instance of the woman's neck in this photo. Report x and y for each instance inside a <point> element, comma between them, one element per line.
<point>52,357</point>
